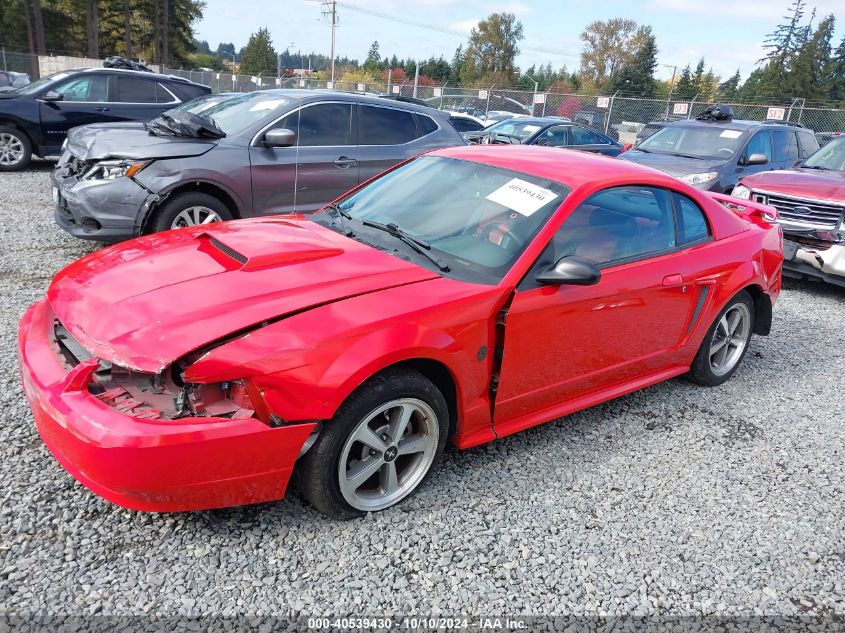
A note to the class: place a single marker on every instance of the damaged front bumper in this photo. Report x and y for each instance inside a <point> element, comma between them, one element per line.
<point>815,254</point>
<point>144,464</point>
<point>102,210</point>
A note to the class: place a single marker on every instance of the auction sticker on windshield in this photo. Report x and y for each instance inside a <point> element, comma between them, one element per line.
<point>521,196</point>
<point>730,134</point>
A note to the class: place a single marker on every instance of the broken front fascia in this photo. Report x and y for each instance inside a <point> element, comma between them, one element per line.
<point>813,249</point>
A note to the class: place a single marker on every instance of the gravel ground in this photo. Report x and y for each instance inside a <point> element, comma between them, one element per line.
<point>673,500</point>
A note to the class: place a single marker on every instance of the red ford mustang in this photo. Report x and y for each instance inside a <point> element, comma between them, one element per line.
<point>465,295</point>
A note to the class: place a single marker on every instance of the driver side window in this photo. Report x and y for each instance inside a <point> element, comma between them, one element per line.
<point>760,143</point>
<point>553,137</point>
<point>618,225</point>
<point>93,88</point>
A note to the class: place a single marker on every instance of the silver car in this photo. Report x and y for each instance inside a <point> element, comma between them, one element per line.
<point>234,156</point>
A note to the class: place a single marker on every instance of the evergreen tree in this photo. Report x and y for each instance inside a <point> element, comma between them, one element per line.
<point>729,90</point>
<point>373,61</point>
<point>836,74</point>
<point>808,76</point>
<point>685,89</point>
<point>259,57</point>
<point>636,76</point>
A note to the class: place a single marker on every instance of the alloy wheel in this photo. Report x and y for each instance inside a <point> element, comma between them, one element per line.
<point>192,216</point>
<point>388,454</point>
<point>11,149</point>
<point>729,339</point>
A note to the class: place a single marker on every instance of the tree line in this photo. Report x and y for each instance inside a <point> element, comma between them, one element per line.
<point>156,31</point>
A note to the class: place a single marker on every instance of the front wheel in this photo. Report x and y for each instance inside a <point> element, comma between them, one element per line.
<point>379,447</point>
<point>726,343</point>
<point>15,149</point>
<point>190,208</point>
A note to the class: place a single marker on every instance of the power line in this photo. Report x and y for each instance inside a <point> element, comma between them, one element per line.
<point>439,29</point>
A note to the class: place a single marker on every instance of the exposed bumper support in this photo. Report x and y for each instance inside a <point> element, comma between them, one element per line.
<point>827,264</point>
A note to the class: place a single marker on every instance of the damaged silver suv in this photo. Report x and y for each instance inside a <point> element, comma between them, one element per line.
<point>234,156</point>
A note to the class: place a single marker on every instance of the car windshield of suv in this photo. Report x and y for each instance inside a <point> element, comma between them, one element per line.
<point>38,84</point>
<point>237,113</point>
<point>694,142</point>
<point>831,156</point>
<point>463,219</point>
<point>514,127</point>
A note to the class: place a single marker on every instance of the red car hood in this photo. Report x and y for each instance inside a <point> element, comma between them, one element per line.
<point>816,184</point>
<point>147,302</point>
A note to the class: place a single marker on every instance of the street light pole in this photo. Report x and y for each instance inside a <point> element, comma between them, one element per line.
<point>671,86</point>
<point>330,13</point>
<point>233,69</point>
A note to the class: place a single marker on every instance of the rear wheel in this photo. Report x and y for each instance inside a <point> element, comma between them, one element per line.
<point>191,208</point>
<point>379,447</point>
<point>15,149</point>
<point>726,342</point>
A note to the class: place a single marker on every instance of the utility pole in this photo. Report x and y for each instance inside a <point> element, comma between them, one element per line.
<point>671,86</point>
<point>329,8</point>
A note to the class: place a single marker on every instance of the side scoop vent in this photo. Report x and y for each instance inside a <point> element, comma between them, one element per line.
<point>227,250</point>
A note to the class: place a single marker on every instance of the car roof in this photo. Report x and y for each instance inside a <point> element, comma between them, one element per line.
<point>569,167</point>
<point>310,94</point>
<point>733,123</point>
<point>135,73</point>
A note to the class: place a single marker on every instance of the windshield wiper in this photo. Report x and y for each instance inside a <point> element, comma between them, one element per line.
<point>420,246</point>
<point>344,214</point>
<point>816,167</point>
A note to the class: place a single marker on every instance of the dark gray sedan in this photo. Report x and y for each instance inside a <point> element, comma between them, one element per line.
<point>234,156</point>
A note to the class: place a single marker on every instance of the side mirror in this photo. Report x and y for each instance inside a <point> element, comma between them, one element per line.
<point>572,270</point>
<point>280,138</point>
<point>52,95</point>
<point>757,158</point>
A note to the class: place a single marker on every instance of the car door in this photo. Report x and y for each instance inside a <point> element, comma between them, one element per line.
<point>321,165</point>
<point>588,141</point>
<point>566,342</point>
<point>554,136</point>
<point>137,99</point>
<point>386,136</point>
<point>84,100</point>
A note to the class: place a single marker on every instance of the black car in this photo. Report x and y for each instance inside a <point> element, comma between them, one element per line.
<point>713,154</point>
<point>551,131</point>
<point>34,119</point>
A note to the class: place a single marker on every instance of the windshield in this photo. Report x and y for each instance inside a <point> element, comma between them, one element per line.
<point>514,127</point>
<point>38,84</point>
<point>475,218</point>
<point>694,142</point>
<point>831,156</point>
<point>236,113</point>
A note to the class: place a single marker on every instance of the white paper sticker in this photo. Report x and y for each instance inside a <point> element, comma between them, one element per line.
<point>730,134</point>
<point>521,196</point>
<point>268,105</point>
<point>530,129</point>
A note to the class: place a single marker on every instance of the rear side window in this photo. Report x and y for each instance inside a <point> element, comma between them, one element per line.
<point>807,143</point>
<point>582,136</point>
<point>785,145</point>
<point>163,95</point>
<point>618,224</point>
<point>464,125</point>
<point>427,126</point>
<point>692,225</point>
<point>385,126</point>
<point>760,143</point>
<point>321,125</point>
<point>133,90</point>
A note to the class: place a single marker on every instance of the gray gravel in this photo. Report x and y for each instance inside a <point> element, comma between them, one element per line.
<point>673,500</point>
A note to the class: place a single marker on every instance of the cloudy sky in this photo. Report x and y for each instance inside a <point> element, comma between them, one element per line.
<point>729,36</point>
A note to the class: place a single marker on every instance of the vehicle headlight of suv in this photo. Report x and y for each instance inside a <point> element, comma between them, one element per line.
<point>742,192</point>
<point>111,169</point>
<point>699,179</point>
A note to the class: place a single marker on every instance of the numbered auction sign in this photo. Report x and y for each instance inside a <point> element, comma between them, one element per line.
<point>603,102</point>
<point>482,94</point>
<point>680,108</point>
<point>776,113</point>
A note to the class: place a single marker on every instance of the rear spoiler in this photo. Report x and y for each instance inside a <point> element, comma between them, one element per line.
<point>747,209</point>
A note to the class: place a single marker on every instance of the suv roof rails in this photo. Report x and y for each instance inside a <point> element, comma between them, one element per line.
<point>404,99</point>
<point>781,122</point>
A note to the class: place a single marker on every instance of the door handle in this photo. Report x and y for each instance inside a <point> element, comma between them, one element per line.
<point>102,109</point>
<point>673,280</point>
<point>344,162</point>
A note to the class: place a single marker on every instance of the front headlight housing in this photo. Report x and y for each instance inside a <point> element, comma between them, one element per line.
<point>111,169</point>
<point>699,179</point>
<point>742,192</point>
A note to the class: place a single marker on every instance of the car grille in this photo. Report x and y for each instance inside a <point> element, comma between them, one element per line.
<point>803,212</point>
<point>76,167</point>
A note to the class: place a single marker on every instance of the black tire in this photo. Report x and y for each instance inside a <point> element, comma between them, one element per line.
<point>701,371</point>
<point>25,146</point>
<point>316,475</point>
<point>165,215</point>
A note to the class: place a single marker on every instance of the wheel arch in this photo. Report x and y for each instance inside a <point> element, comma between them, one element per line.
<point>21,127</point>
<point>223,193</point>
<point>762,309</point>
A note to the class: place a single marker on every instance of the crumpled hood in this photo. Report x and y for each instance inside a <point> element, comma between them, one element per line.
<point>147,302</point>
<point>672,165</point>
<point>130,140</point>
<point>816,184</point>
